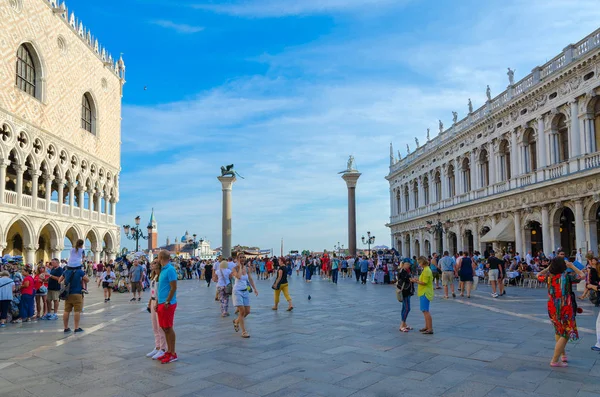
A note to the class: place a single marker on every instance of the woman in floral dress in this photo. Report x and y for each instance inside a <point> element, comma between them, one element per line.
<point>561,309</point>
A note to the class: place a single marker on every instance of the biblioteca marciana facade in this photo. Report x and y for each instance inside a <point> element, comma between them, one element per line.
<point>60,121</point>
<point>521,173</point>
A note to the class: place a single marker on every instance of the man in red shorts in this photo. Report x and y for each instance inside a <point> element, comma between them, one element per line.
<point>167,303</point>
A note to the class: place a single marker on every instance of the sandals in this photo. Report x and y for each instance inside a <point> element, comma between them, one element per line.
<point>427,332</point>
<point>558,364</point>
<point>273,308</point>
<point>403,329</point>
<point>564,358</point>
<point>423,330</point>
<point>236,326</point>
<point>289,309</point>
<point>245,334</point>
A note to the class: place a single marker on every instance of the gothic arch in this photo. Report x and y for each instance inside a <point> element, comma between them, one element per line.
<point>109,240</point>
<point>94,237</point>
<point>55,232</point>
<point>73,233</point>
<point>26,227</point>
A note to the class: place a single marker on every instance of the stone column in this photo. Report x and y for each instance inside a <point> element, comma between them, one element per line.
<point>411,196</point>
<point>99,203</point>
<point>90,203</point>
<point>226,184</point>
<point>30,254</point>
<point>433,243</point>
<point>48,182</point>
<point>474,168</point>
<point>580,227</point>
<point>71,197</point>
<point>96,253</point>
<point>20,170</point>
<point>546,230</point>
<point>56,252</point>
<point>518,233</point>
<point>574,135</point>
<point>592,235</point>
<point>351,178</point>
<point>444,180</point>
<point>515,170</point>
<point>542,148</point>
<point>113,203</point>
<point>35,175</point>
<point>105,206</point>
<point>491,165</point>
<point>61,187</point>
<point>3,165</point>
<point>80,199</point>
<point>432,187</point>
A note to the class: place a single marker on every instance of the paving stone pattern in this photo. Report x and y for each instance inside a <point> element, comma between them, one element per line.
<point>343,342</point>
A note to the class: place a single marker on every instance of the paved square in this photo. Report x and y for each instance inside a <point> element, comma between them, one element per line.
<point>343,342</point>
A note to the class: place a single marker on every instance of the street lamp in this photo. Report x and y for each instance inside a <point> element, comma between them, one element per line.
<point>196,244</point>
<point>369,240</point>
<point>135,232</point>
<point>338,248</point>
<point>438,227</point>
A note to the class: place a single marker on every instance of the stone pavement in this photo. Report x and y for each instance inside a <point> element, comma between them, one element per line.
<point>343,342</point>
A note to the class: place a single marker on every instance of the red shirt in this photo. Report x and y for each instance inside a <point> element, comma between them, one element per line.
<point>100,267</point>
<point>269,266</point>
<point>27,290</point>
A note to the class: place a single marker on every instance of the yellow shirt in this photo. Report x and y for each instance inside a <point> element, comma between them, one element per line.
<point>427,289</point>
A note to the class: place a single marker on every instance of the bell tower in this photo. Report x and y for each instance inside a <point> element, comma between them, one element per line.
<point>152,233</point>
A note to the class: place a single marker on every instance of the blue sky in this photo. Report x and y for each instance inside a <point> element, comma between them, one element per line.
<point>287,89</point>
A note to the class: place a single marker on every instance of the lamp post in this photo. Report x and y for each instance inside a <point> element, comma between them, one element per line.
<point>135,232</point>
<point>369,240</point>
<point>338,248</point>
<point>196,244</point>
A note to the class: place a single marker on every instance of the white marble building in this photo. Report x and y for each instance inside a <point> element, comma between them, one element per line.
<point>520,173</point>
<point>60,127</point>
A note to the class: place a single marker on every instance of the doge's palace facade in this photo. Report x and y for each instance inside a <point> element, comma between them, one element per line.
<point>521,173</point>
<point>60,133</point>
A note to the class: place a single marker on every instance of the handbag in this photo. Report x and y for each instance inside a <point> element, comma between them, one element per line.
<point>43,290</point>
<point>229,286</point>
<point>594,297</point>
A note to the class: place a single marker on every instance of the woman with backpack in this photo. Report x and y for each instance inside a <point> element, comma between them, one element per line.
<point>405,289</point>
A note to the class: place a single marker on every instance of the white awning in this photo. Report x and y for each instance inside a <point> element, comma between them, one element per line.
<point>503,231</point>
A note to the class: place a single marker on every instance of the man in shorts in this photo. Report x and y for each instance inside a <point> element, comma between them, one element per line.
<point>135,277</point>
<point>167,304</point>
<point>494,273</point>
<point>75,277</point>
<point>54,288</point>
<point>447,264</point>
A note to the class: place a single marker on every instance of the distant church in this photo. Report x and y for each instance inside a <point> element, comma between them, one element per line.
<point>183,245</point>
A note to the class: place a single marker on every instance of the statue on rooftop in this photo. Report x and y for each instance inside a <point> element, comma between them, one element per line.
<point>407,149</point>
<point>454,117</point>
<point>488,93</point>
<point>470,106</point>
<point>427,134</point>
<point>417,142</point>
<point>511,76</point>
<point>441,126</point>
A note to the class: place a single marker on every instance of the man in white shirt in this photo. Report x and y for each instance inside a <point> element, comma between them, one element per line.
<point>528,258</point>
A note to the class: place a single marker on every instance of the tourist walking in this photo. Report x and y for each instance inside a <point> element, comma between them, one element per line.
<point>465,271</point>
<point>561,306</point>
<point>7,288</point>
<point>281,285</point>
<point>160,340</point>
<point>208,273</point>
<point>224,287</point>
<point>135,276</point>
<point>405,289</point>
<point>364,269</point>
<point>495,268</point>
<point>26,309</point>
<point>108,278</point>
<point>356,267</point>
<point>244,284</point>
<point>447,264</point>
<point>335,269</point>
<point>167,304</point>
<point>74,277</point>
<point>425,293</point>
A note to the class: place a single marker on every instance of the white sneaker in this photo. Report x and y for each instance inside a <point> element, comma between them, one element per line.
<point>158,355</point>
<point>494,295</point>
<point>152,353</point>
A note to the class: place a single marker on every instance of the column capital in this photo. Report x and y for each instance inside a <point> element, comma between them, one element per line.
<point>20,168</point>
<point>4,163</point>
<point>227,182</point>
<point>351,178</point>
<point>35,173</point>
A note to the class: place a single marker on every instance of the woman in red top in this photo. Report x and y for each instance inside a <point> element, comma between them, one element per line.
<point>40,284</point>
<point>269,267</point>
<point>26,311</point>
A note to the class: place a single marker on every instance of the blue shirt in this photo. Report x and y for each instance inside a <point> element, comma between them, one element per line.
<point>364,265</point>
<point>76,285</point>
<point>447,263</point>
<point>167,274</point>
<point>136,273</point>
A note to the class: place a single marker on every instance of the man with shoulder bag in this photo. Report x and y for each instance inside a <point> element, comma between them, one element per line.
<point>73,292</point>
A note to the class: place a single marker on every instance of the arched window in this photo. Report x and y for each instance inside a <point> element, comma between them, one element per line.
<point>562,141</point>
<point>416,193</point>
<point>530,151</point>
<point>26,71</point>
<point>406,199</point>
<point>504,154</point>
<point>426,190</point>
<point>466,174</point>
<point>438,187</point>
<point>451,181</point>
<point>88,113</point>
<point>398,206</point>
<point>484,163</point>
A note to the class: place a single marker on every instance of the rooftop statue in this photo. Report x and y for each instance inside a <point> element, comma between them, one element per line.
<point>407,149</point>
<point>454,117</point>
<point>441,125</point>
<point>427,134</point>
<point>470,106</point>
<point>417,142</point>
<point>488,93</point>
<point>228,170</point>
<point>511,76</point>
<point>350,166</point>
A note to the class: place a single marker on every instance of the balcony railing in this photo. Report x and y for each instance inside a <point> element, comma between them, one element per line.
<point>40,204</point>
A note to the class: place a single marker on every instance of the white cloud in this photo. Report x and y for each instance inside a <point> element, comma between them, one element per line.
<point>178,27</point>
<point>279,8</point>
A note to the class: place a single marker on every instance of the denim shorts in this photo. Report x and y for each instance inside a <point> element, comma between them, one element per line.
<point>424,303</point>
<point>241,298</point>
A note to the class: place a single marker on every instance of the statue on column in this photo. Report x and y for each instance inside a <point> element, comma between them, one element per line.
<point>488,93</point>
<point>511,76</point>
<point>349,166</point>
<point>228,170</point>
<point>470,106</point>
